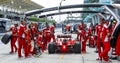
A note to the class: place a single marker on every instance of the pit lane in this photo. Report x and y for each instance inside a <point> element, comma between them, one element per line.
<point>89,57</point>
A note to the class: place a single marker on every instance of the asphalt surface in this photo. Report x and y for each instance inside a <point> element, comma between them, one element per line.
<point>89,57</point>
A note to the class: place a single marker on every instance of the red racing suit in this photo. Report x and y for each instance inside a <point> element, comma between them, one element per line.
<point>52,29</point>
<point>106,42</point>
<point>13,39</point>
<point>46,37</point>
<point>40,43</point>
<point>89,31</point>
<point>22,41</point>
<point>78,34</point>
<point>83,40</point>
<point>98,42</point>
<point>28,39</point>
<point>90,37</point>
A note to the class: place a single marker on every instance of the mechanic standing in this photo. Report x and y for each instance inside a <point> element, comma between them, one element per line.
<point>28,39</point>
<point>105,36</point>
<point>83,39</point>
<point>52,29</point>
<point>99,41</point>
<point>46,36</point>
<point>81,36</point>
<point>80,26</point>
<point>21,39</point>
<point>14,37</point>
<point>78,34</point>
<point>90,36</point>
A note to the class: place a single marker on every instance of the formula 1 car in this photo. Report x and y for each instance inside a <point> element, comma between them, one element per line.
<point>64,43</point>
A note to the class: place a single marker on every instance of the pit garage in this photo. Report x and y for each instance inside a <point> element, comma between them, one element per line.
<point>90,56</point>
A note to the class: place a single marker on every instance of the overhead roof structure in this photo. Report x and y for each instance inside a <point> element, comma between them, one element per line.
<point>22,5</point>
<point>65,7</point>
<point>68,12</point>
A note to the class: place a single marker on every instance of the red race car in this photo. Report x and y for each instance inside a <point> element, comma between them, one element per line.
<point>64,43</point>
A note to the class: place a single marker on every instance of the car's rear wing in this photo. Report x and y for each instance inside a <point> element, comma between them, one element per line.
<point>63,36</point>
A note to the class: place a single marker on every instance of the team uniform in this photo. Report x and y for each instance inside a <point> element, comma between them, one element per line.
<point>83,40</point>
<point>91,38</point>
<point>28,41</point>
<point>52,29</point>
<point>105,42</point>
<point>22,41</point>
<point>46,36</point>
<point>13,38</point>
<point>99,40</point>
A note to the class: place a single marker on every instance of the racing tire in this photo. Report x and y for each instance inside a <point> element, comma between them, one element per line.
<point>6,38</point>
<point>51,48</point>
<point>77,47</point>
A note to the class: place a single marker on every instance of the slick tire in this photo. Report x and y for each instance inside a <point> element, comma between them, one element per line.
<point>51,48</point>
<point>6,38</point>
<point>77,47</point>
